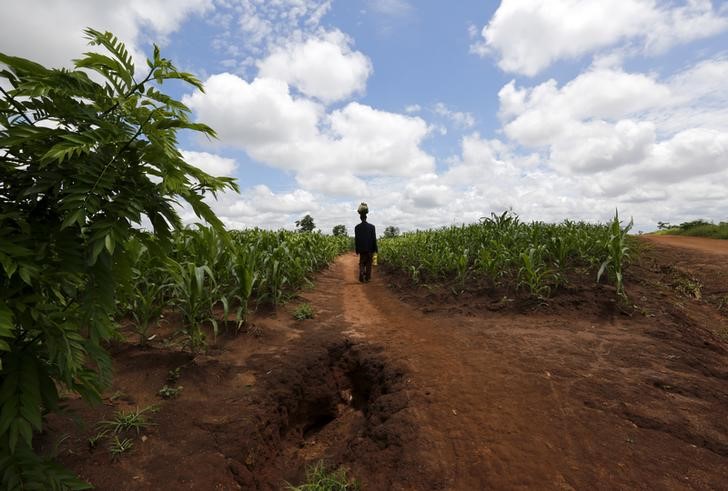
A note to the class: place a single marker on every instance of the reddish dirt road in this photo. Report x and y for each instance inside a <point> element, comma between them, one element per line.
<point>702,244</point>
<point>411,390</point>
<point>544,401</point>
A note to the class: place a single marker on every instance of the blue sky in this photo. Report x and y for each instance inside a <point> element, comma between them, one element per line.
<point>434,112</point>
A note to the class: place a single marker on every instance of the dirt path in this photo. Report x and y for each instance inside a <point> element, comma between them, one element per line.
<point>702,244</point>
<point>539,401</point>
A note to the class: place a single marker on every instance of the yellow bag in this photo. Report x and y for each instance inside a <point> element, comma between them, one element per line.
<point>374,259</point>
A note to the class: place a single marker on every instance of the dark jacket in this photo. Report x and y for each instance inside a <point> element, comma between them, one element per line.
<point>365,238</point>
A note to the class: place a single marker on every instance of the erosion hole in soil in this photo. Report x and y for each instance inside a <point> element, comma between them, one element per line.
<point>344,383</point>
<point>340,402</point>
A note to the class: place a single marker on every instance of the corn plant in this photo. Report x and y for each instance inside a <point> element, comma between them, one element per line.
<point>194,295</point>
<point>246,277</point>
<point>618,252</point>
<point>533,273</point>
<point>537,257</point>
<point>462,270</point>
<point>209,270</point>
<point>145,306</point>
<point>490,261</point>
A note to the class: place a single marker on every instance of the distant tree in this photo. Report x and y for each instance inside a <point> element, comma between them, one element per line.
<point>305,224</point>
<point>693,224</point>
<point>663,225</point>
<point>339,230</point>
<point>391,231</point>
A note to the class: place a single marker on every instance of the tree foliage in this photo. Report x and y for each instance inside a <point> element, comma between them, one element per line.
<point>339,230</point>
<point>82,162</point>
<point>391,231</point>
<point>305,224</point>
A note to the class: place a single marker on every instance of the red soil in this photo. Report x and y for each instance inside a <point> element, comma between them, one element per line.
<point>413,389</point>
<point>701,244</point>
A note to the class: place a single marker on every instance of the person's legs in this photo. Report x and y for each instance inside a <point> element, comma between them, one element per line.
<point>368,267</point>
<point>362,263</point>
<point>365,266</point>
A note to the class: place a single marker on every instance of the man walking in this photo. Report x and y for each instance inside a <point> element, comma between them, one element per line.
<point>365,240</point>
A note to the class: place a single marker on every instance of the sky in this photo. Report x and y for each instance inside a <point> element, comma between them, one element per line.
<point>434,113</point>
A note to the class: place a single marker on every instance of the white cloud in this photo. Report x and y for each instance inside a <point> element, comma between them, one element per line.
<point>254,115</point>
<point>275,128</point>
<point>460,119</point>
<point>412,108</point>
<point>340,184</point>
<point>210,163</point>
<point>250,29</point>
<point>298,201</point>
<point>529,35</point>
<point>427,192</point>
<point>541,114</point>
<point>599,146</point>
<point>606,118</point>
<point>323,67</point>
<point>51,32</point>
<point>375,142</point>
<point>689,154</point>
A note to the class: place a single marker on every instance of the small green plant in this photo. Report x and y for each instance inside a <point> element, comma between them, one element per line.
<point>415,274</point>
<point>193,288</point>
<point>168,392</point>
<point>318,478</point>
<point>490,262</point>
<point>533,273</point>
<point>119,446</point>
<point>93,441</point>
<point>173,375</point>
<point>618,252</point>
<point>123,421</point>
<point>303,311</point>
<point>462,270</point>
<point>145,307</point>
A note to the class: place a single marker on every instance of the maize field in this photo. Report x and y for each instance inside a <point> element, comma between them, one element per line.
<point>505,252</point>
<point>205,271</point>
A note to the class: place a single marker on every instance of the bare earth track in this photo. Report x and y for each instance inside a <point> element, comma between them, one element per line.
<point>700,244</point>
<point>411,389</point>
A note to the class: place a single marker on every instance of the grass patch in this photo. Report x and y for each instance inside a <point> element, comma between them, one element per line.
<point>119,446</point>
<point>134,420</point>
<point>318,478</point>
<point>303,311</point>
